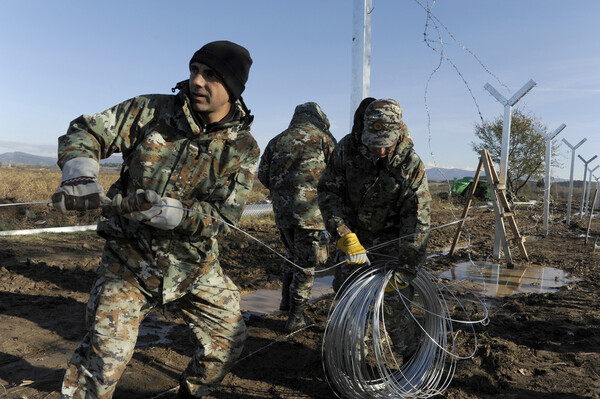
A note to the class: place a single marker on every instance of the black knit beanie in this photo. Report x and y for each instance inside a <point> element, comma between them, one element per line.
<point>231,61</point>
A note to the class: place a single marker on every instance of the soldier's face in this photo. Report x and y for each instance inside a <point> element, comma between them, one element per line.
<point>382,152</point>
<point>208,94</point>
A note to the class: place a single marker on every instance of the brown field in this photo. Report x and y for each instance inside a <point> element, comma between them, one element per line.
<point>536,345</point>
<point>18,185</point>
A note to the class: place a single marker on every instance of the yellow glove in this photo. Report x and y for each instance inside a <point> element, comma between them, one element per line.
<point>398,281</point>
<point>355,253</point>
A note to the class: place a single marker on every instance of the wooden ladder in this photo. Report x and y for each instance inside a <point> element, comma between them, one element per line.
<point>502,209</point>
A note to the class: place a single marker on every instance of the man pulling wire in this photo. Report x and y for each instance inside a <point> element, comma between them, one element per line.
<point>188,161</point>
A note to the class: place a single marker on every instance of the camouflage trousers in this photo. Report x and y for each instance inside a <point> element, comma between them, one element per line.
<point>307,249</point>
<point>114,312</point>
<point>399,323</point>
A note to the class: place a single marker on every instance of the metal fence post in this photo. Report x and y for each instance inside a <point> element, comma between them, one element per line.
<point>548,138</point>
<point>586,163</point>
<point>508,104</point>
<point>569,202</point>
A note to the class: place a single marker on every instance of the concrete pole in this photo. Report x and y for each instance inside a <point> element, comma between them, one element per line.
<point>508,104</point>
<point>589,190</point>
<point>573,148</point>
<point>361,54</point>
<point>548,138</point>
<point>584,181</point>
<point>597,199</point>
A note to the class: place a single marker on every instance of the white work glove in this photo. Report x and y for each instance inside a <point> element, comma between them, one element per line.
<point>355,253</point>
<point>148,207</point>
<point>79,189</point>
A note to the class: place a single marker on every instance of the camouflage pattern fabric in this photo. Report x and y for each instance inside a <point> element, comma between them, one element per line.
<point>292,164</point>
<point>383,123</point>
<point>210,169</point>
<point>399,324</point>
<point>307,249</point>
<point>290,168</point>
<point>378,199</point>
<point>115,309</point>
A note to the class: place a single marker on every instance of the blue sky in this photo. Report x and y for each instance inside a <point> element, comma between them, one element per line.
<point>61,59</point>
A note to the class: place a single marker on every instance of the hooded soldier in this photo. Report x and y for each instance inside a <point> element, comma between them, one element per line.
<point>290,168</point>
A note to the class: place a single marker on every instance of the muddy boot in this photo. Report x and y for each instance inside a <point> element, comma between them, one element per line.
<point>183,392</point>
<point>296,318</point>
<point>284,306</point>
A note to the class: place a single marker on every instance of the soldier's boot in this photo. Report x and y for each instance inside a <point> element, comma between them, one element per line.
<point>183,392</point>
<point>296,317</point>
<point>284,306</point>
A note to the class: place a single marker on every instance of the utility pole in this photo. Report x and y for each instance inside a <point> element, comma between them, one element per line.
<point>573,148</point>
<point>361,54</point>
<point>549,139</point>
<point>508,104</point>
<point>586,163</point>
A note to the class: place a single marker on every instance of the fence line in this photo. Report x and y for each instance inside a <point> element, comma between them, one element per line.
<point>250,210</point>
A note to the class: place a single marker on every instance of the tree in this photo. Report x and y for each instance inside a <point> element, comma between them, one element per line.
<point>526,151</point>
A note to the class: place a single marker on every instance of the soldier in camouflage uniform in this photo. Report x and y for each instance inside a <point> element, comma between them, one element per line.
<point>290,168</point>
<point>188,160</point>
<point>374,190</point>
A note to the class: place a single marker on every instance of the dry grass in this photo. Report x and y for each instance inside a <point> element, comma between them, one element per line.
<point>37,185</point>
<point>28,185</point>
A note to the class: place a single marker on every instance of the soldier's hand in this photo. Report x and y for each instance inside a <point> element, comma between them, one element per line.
<point>355,253</point>
<point>141,201</point>
<point>401,279</point>
<point>148,207</point>
<point>79,189</point>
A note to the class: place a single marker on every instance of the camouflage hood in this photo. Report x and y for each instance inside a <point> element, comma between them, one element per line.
<point>310,112</point>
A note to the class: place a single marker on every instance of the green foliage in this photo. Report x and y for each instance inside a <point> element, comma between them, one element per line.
<point>527,149</point>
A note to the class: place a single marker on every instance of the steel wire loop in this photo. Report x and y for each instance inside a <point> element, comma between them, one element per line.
<point>358,356</point>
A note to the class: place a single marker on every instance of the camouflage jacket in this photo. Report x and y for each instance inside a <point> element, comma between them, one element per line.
<point>165,148</point>
<point>378,199</point>
<point>292,164</point>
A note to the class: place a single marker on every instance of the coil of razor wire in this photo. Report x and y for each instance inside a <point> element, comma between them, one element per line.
<point>358,357</point>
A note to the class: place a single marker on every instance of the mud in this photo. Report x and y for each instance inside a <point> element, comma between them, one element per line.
<point>535,345</point>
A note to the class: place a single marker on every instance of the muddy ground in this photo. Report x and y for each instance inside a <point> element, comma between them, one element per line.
<point>535,345</point>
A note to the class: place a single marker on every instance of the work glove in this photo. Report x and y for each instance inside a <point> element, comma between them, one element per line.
<point>355,253</point>
<point>401,279</point>
<point>146,206</point>
<point>79,189</point>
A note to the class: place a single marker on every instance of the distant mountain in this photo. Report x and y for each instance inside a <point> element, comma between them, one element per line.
<point>27,159</point>
<point>433,174</point>
<point>443,174</point>
<point>24,158</point>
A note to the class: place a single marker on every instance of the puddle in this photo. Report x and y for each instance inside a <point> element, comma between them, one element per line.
<point>267,301</point>
<point>499,281</point>
<point>155,329</point>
